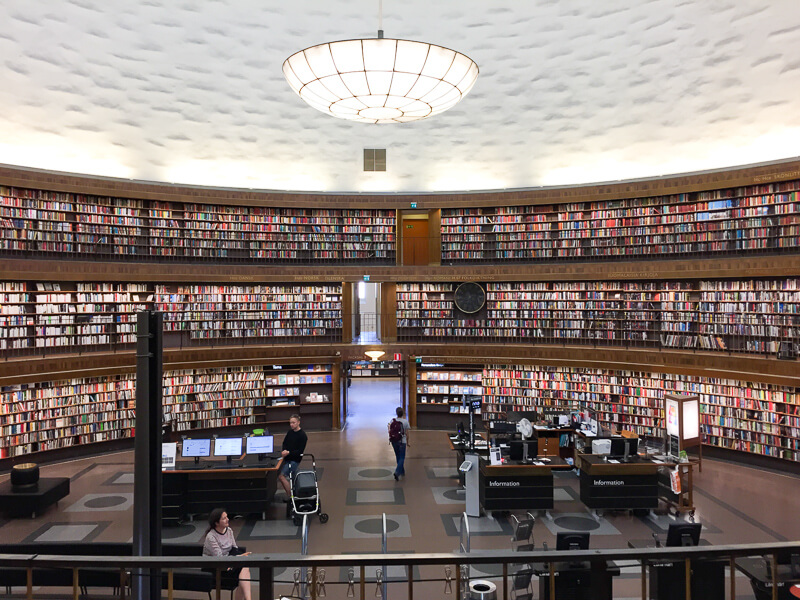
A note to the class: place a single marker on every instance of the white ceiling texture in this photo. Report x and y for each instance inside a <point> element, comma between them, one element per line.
<point>569,91</point>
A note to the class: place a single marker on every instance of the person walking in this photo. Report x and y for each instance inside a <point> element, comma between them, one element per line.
<point>398,437</point>
<point>294,444</point>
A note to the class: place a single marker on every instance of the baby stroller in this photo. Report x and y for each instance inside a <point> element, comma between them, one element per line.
<point>305,495</point>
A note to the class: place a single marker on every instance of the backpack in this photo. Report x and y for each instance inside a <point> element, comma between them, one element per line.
<point>395,431</point>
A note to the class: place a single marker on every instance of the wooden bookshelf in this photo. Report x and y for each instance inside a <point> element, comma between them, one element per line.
<point>439,394</point>
<point>380,368</point>
<point>275,313</point>
<point>752,417</point>
<point>623,400</point>
<point>756,218</point>
<point>752,316</point>
<point>36,222</point>
<point>212,398</point>
<point>44,416</point>
<point>54,415</point>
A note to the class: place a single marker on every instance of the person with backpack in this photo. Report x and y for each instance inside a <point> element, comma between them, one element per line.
<point>398,438</point>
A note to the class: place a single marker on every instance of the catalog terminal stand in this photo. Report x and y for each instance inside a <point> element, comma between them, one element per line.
<point>470,466</point>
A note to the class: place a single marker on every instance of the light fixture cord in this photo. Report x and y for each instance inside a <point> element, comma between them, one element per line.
<point>380,19</point>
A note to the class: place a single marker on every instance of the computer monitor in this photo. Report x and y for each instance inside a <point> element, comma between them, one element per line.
<point>563,420</point>
<point>521,449</point>
<point>228,447</point>
<point>571,540</point>
<point>460,430</point>
<point>260,444</point>
<point>684,534</point>
<point>196,449</point>
<point>593,429</point>
<point>624,447</point>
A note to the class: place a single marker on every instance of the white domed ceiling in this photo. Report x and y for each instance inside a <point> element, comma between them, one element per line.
<point>569,91</point>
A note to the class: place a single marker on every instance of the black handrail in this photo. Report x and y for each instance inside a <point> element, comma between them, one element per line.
<point>268,562</point>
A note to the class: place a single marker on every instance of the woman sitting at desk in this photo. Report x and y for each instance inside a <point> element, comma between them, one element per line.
<point>219,541</point>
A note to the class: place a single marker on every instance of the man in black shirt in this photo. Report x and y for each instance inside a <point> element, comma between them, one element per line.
<point>294,444</point>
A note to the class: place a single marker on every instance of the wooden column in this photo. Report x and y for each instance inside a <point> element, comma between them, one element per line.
<point>435,232</point>
<point>388,310</point>
<point>347,312</point>
<point>336,382</point>
<point>411,370</point>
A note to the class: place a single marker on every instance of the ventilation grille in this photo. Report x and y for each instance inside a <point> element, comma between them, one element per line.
<point>374,159</point>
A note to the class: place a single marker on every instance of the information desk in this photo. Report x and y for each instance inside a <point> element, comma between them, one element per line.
<point>518,486</point>
<point>668,579</point>
<point>760,573</point>
<point>581,581</point>
<point>189,490</point>
<point>620,485</point>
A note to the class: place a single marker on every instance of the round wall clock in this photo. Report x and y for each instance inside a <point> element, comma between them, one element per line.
<point>469,297</point>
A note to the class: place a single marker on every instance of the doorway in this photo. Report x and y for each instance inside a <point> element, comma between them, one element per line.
<point>371,404</point>
<point>367,318</point>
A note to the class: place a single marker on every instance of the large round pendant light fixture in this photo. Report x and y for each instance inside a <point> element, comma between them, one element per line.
<point>380,80</point>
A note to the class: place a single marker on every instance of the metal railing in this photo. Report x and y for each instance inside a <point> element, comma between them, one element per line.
<point>434,569</point>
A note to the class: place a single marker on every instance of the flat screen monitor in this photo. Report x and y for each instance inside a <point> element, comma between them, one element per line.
<point>593,427</point>
<point>684,534</point>
<point>563,420</point>
<point>228,446</point>
<point>520,450</point>
<point>460,429</point>
<point>261,444</point>
<point>196,448</point>
<point>624,446</point>
<point>569,540</point>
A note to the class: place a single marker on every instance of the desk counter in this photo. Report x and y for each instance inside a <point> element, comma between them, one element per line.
<point>620,485</point>
<point>518,486</point>
<point>188,490</point>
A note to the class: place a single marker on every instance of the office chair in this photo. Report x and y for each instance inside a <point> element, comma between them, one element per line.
<point>522,541</point>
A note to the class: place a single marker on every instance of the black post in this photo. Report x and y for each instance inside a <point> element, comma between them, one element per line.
<point>147,453</point>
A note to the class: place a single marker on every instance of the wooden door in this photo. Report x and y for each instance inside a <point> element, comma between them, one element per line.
<point>416,242</point>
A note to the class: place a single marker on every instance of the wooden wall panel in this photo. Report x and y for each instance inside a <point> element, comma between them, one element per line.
<point>706,268</point>
<point>710,364</point>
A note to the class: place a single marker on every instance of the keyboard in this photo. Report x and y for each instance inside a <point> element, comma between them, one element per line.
<point>227,466</point>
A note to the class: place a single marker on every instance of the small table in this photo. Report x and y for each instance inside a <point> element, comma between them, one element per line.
<point>760,574</point>
<point>17,501</point>
<point>668,579</point>
<point>582,581</point>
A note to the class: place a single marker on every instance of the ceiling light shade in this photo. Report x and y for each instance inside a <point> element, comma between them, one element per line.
<point>374,354</point>
<point>380,80</point>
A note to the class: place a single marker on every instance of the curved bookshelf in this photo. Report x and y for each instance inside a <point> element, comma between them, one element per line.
<point>250,280</point>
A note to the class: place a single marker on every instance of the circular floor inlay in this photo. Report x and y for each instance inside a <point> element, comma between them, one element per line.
<point>454,495</point>
<point>376,526</point>
<point>577,523</point>
<point>105,502</point>
<point>374,473</point>
<point>170,533</point>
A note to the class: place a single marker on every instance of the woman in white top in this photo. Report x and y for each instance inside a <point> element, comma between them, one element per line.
<point>219,541</point>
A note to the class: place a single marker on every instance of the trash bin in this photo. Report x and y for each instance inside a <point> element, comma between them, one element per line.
<point>480,589</point>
